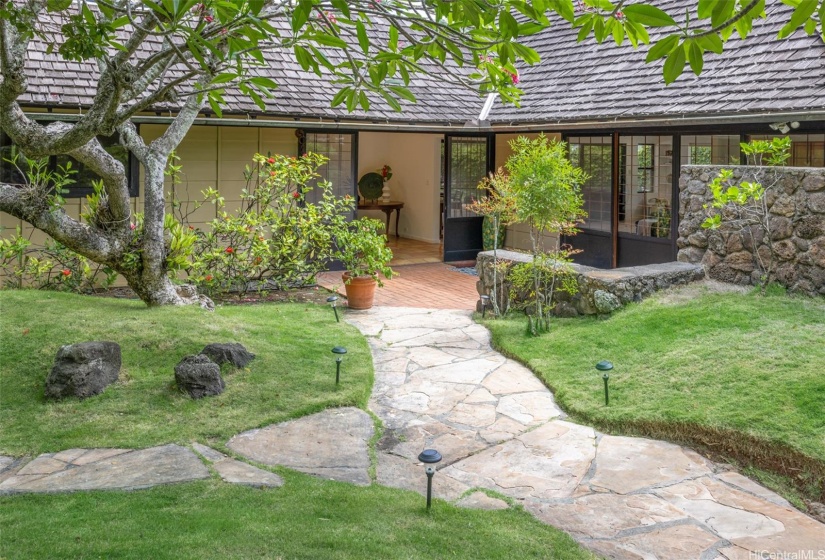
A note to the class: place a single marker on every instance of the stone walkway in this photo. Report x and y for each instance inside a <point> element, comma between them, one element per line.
<point>440,385</point>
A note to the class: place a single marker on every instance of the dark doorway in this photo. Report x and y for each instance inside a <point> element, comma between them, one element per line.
<point>467,161</point>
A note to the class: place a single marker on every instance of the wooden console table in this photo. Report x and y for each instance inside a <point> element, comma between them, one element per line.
<point>386,208</point>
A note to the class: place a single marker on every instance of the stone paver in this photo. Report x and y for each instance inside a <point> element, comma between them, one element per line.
<point>106,469</point>
<point>331,444</point>
<point>237,472</point>
<point>439,384</point>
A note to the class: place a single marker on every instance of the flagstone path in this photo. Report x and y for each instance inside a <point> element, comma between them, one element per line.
<point>439,384</point>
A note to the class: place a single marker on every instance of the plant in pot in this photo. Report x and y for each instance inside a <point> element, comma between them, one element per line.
<point>363,251</point>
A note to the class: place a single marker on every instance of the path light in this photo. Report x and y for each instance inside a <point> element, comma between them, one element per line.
<point>605,366</point>
<point>429,457</point>
<point>339,351</point>
<point>484,301</point>
<point>331,300</point>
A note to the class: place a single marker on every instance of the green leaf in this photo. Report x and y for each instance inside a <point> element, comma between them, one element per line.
<point>364,101</point>
<point>255,6</point>
<point>507,24</point>
<point>705,8</point>
<point>662,48</point>
<point>340,96</point>
<point>393,42</point>
<point>303,57</point>
<point>363,40</point>
<point>262,81</point>
<point>711,43</point>
<point>329,41</point>
<point>695,57</point>
<point>224,78</point>
<point>587,26</point>
<point>674,65</point>
<point>649,16</point>
<point>216,108</point>
<point>562,7</point>
<point>403,93</point>
<point>391,101</point>
<point>801,14</point>
<point>528,55</point>
<point>300,16</point>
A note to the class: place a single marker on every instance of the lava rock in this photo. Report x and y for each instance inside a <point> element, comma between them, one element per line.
<point>228,353</point>
<point>199,376</point>
<point>83,370</point>
<point>605,301</point>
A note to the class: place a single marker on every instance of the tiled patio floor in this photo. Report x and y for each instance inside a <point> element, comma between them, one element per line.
<point>429,285</point>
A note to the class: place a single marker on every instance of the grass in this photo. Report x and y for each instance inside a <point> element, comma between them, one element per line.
<point>737,374</point>
<point>306,518</point>
<point>292,375</point>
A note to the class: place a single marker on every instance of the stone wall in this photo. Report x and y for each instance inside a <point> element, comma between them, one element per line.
<point>600,291</point>
<point>796,203</point>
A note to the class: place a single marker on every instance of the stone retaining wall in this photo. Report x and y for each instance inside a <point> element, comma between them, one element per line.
<point>600,290</point>
<point>796,203</point>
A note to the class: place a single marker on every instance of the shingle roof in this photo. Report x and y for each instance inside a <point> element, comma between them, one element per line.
<point>574,82</point>
<point>583,81</point>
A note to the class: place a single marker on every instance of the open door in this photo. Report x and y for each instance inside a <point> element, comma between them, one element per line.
<point>467,160</point>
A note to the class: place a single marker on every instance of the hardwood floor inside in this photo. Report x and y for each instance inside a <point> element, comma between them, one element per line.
<point>411,251</point>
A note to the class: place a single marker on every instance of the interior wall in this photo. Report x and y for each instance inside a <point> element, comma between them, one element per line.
<point>416,178</point>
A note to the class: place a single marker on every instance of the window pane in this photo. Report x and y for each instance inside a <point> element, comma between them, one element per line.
<point>468,166</point>
<point>595,156</point>
<point>646,185</point>
<point>338,170</point>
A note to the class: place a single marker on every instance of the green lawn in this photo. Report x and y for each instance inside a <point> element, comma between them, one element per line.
<point>293,375</point>
<point>738,374</point>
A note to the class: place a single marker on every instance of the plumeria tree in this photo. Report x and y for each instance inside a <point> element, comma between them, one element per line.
<point>186,54</point>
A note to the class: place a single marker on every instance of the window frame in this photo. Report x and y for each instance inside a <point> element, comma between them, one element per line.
<point>76,190</point>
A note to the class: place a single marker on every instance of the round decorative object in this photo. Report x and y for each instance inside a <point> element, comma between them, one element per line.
<point>371,186</point>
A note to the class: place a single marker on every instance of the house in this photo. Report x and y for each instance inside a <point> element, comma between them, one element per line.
<point>625,128</point>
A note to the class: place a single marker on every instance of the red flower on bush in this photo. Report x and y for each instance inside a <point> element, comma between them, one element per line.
<point>230,250</point>
<point>272,173</point>
<point>270,160</point>
<point>208,278</point>
<point>66,272</point>
<point>296,195</point>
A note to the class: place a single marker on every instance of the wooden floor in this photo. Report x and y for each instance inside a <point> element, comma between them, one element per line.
<point>409,251</point>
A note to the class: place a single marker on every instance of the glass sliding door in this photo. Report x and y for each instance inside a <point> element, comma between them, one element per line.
<point>594,154</point>
<point>646,200</point>
<point>467,161</point>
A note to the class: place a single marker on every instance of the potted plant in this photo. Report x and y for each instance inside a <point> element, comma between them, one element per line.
<point>362,250</point>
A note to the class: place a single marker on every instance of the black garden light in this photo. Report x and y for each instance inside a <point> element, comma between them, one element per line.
<point>331,300</point>
<point>429,457</point>
<point>484,301</point>
<point>605,366</point>
<point>339,351</point>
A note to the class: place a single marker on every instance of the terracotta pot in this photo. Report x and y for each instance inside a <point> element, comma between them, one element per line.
<point>360,291</point>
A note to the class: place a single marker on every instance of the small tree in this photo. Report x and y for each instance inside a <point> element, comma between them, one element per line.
<point>498,205</point>
<point>742,206</point>
<point>546,190</point>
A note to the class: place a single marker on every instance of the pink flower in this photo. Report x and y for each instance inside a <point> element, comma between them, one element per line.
<point>208,19</point>
<point>132,227</point>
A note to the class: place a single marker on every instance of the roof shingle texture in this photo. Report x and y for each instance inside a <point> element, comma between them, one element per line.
<point>573,82</point>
